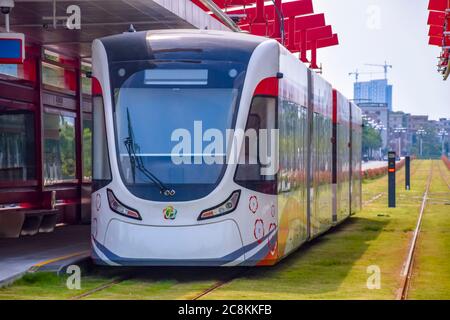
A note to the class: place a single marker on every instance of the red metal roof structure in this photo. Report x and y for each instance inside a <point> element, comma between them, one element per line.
<point>439,33</point>
<point>292,23</point>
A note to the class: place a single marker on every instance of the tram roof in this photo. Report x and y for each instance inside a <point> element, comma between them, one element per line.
<point>201,44</point>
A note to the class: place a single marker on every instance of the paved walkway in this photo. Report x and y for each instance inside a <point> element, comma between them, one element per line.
<point>19,255</point>
<point>373,164</point>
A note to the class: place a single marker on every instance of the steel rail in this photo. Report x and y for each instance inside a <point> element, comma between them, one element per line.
<point>408,267</point>
<point>220,284</point>
<point>97,289</point>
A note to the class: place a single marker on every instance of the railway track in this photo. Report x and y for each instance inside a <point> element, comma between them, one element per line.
<point>443,176</point>
<point>134,274</point>
<point>99,288</point>
<point>413,171</point>
<point>131,273</point>
<point>406,274</point>
<point>219,284</point>
<point>399,181</point>
<point>222,283</point>
<point>407,271</point>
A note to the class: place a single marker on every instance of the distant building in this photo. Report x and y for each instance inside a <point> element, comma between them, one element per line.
<point>396,120</point>
<point>374,91</point>
<point>400,131</point>
<point>418,122</point>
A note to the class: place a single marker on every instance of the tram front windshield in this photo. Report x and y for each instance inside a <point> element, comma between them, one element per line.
<point>169,113</point>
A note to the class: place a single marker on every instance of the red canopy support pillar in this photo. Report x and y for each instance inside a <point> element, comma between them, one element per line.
<point>259,18</point>
<point>276,26</point>
<point>303,45</point>
<point>291,32</point>
<point>28,71</point>
<point>314,55</point>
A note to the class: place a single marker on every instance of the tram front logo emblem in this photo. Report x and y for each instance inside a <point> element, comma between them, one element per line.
<point>170,213</point>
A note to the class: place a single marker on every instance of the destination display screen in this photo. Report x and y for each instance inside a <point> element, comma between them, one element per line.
<point>10,48</point>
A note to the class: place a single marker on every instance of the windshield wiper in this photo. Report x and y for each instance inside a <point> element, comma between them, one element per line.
<point>137,163</point>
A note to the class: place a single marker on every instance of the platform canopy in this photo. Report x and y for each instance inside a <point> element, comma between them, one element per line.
<point>439,32</point>
<point>43,21</point>
<point>292,22</point>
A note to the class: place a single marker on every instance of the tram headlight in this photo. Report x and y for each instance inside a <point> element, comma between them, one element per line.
<point>225,207</point>
<point>120,208</point>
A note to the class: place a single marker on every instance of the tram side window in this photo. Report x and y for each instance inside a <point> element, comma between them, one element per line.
<point>253,172</point>
<point>101,172</point>
<point>17,146</point>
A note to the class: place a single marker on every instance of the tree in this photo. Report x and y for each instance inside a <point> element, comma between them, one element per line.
<point>67,147</point>
<point>371,139</point>
<point>87,153</point>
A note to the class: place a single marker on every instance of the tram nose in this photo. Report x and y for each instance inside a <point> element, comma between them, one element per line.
<point>216,243</point>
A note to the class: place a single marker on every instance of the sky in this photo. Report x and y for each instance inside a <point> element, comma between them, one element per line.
<point>396,31</point>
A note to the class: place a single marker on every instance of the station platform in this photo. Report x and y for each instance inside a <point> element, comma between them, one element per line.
<point>19,255</point>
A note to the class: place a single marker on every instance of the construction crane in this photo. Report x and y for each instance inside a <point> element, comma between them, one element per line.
<point>385,66</point>
<point>357,73</point>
